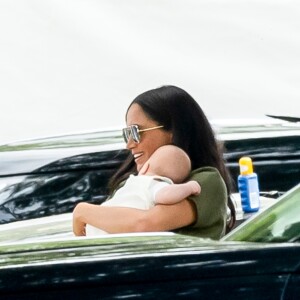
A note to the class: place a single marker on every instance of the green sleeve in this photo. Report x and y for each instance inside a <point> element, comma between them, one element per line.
<point>211,205</point>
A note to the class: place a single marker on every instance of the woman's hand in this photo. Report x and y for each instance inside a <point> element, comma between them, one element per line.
<point>78,223</point>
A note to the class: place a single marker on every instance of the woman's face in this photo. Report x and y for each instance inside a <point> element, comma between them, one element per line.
<point>150,140</point>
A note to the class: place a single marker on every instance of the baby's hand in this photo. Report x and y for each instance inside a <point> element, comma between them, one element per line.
<point>195,187</point>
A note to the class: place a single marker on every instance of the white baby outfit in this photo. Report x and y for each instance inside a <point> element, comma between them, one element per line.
<point>138,192</point>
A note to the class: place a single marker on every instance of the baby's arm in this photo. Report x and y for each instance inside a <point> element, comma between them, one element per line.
<point>175,193</point>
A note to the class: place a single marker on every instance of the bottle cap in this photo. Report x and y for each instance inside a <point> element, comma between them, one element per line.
<point>246,167</point>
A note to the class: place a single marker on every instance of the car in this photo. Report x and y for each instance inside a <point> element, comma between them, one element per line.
<point>49,176</point>
<point>40,259</point>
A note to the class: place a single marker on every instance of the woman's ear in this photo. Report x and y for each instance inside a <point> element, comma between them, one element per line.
<point>144,168</point>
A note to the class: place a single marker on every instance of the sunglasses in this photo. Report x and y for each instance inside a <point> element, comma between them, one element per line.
<point>133,131</point>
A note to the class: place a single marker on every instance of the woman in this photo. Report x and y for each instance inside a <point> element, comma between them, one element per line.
<point>168,115</point>
<point>161,180</point>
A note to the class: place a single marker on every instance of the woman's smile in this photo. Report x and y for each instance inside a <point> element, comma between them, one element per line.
<point>137,155</point>
<point>137,158</point>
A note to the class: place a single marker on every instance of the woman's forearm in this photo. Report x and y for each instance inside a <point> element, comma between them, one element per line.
<point>122,219</point>
<point>110,219</point>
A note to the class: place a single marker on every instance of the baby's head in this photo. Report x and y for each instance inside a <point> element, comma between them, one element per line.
<point>168,161</point>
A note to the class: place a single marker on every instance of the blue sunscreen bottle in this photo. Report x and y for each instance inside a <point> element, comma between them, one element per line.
<point>248,186</point>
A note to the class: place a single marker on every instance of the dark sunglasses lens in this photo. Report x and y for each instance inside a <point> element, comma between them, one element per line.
<point>135,133</point>
<point>132,131</point>
<point>126,134</point>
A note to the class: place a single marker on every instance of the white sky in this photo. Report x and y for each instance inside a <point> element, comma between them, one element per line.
<point>69,66</point>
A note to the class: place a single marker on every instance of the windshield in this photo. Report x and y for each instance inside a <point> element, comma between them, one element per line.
<point>279,223</point>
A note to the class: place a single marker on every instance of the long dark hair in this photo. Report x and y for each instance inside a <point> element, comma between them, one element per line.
<point>179,113</point>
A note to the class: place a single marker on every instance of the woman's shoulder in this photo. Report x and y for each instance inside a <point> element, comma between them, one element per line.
<point>204,172</point>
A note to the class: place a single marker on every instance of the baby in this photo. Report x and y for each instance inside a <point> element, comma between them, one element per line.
<point>160,181</point>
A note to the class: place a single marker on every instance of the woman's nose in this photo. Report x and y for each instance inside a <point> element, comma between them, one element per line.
<point>130,144</point>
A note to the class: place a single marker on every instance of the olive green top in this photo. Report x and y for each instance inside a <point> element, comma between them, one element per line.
<point>211,205</point>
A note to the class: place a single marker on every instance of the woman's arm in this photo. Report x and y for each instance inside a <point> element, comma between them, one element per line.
<point>123,219</point>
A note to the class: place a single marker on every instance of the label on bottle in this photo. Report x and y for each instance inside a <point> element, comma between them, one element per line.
<point>249,191</point>
<point>253,193</point>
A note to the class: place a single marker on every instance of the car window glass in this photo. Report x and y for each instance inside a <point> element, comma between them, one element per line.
<point>279,223</point>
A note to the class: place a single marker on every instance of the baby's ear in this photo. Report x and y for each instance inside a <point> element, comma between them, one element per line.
<point>144,168</point>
